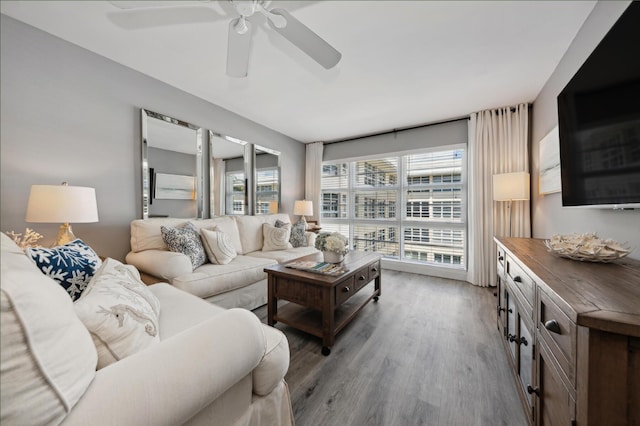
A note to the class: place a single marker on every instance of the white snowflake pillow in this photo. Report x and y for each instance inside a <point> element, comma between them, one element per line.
<point>119,311</point>
<point>71,265</point>
<point>220,250</point>
<point>276,238</point>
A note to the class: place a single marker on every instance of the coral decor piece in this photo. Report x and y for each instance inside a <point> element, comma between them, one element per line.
<point>29,239</point>
<point>586,247</point>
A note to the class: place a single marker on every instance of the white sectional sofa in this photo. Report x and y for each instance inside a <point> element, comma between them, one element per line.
<point>211,366</point>
<point>240,283</point>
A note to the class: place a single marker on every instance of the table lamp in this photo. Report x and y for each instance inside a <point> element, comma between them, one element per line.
<point>303,208</point>
<point>511,187</point>
<point>62,204</point>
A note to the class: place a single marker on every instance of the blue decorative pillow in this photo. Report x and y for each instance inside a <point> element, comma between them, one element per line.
<point>298,237</point>
<point>71,265</point>
<point>185,240</point>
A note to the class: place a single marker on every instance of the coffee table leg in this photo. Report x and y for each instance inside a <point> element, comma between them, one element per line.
<point>272,301</point>
<point>378,288</point>
<point>328,312</point>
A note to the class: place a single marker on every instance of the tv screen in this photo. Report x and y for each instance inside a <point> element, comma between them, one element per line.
<point>599,122</point>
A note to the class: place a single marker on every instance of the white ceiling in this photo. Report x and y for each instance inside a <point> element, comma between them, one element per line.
<point>404,63</point>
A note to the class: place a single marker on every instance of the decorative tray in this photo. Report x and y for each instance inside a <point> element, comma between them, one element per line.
<point>586,247</point>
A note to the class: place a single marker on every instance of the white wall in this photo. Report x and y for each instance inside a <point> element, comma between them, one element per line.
<point>69,114</point>
<point>549,217</point>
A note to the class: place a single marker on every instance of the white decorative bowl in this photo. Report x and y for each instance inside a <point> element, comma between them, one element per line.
<point>586,247</point>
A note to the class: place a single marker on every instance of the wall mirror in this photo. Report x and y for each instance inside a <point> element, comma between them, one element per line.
<point>172,167</point>
<point>230,170</point>
<point>266,180</point>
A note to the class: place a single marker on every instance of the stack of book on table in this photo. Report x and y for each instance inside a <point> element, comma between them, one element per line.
<point>325,268</point>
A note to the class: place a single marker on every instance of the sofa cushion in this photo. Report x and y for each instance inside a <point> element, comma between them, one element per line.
<point>220,250</point>
<point>146,235</point>
<point>185,240</point>
<point>250,228</point>
<point>71,265</point>
<point>119,311</point>
<point>47,358</point>
<point>282,256</point>
<point>298,236</point>
<point>226,224</point>
<point>276,238</point>
<point>209,280</point>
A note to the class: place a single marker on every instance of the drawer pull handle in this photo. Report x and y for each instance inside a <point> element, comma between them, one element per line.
<point>531,389</point>
<point>553,326</point>
<point>362,278</point>
<point>500,258</point>
<point>518,341</point>
<point>517,279</point>
<point>346,289</point>
<point>374,269</point>
<point>501,309</point>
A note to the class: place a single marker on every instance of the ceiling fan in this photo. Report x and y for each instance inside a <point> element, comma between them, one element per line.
<point>241,28</point>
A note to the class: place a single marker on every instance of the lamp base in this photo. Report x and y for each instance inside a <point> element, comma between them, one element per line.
<point>303,220</point>
<point>65,235</point>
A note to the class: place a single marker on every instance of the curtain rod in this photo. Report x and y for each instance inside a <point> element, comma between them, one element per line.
<point>398,130</point>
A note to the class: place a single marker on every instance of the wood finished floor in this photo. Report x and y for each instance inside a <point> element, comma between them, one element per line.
<point>428,353</point>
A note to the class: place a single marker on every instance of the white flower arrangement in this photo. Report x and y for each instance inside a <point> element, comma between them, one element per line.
<point>332,241</point>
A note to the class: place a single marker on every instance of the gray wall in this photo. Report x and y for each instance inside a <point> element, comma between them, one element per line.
<point>69,114</point>
<point>549,217</point>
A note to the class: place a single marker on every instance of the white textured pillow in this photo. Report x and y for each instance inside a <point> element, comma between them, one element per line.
<point>47,358</point>
<point>220,250</point>
<point>120,312</point>
<point>276,238</point>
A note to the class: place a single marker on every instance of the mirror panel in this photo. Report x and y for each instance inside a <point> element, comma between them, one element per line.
<point>267,180</point>
<point>172,168</point>
<point>229,171</point>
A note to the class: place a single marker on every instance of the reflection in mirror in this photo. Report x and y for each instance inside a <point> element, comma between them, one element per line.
<point>229,166</point>
<point>171,167</point>
<point>267,180</point>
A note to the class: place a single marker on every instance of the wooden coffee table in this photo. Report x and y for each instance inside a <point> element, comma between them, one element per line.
<point>322,305</point>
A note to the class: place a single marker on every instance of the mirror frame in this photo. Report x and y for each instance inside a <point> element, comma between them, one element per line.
<point>254,187</point>
<point>145,115</point>
<point>246,155</point>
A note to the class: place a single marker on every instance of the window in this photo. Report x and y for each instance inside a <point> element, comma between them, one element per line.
<point>235,192</point>
<point>362,199</point>
<point>266,188</point>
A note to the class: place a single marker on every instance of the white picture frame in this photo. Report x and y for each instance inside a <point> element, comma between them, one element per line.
<point>174,187</point>
<point>550,180</point>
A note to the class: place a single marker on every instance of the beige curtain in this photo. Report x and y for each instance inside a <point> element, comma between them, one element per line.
<point>498,143</point>
<point>313,177</point>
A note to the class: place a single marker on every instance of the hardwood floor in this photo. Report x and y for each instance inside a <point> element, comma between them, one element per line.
<point>428,353</point>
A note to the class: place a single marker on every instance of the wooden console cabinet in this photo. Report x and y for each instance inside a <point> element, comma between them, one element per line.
<point>571,331</point>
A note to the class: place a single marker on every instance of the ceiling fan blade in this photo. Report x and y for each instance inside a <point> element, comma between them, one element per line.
<point>238,47</point>
<point>152,3</point>
<point>306,40</point>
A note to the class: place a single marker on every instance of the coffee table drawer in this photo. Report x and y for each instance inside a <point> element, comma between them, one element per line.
<point>345,290</point>
<point>361,278</point>
<point>374,270</point>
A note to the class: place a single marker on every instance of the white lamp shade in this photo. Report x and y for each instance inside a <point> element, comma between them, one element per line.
<point>303,208</point>
<point>511,186</point>
<point>62,204</point>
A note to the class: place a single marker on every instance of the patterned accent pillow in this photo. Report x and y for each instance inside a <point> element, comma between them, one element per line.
<point>71,265</point>
<point>119,311</point>
<point>298,237</point>
<point>276,238</point>
<point>218,246</point>
<point>185,240</point>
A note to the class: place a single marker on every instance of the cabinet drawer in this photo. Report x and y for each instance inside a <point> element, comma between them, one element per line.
<point>374,270</point>
<point>559,333</point>
<point>344,290</point>
<point>520,280</point>
<point>361,278</point>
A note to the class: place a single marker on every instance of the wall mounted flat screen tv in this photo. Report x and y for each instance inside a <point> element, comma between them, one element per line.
<point>599,122</point>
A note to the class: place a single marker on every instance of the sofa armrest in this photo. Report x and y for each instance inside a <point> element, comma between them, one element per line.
<point>311,238</point>
<point>163,264</point>
<point>172,381</point>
